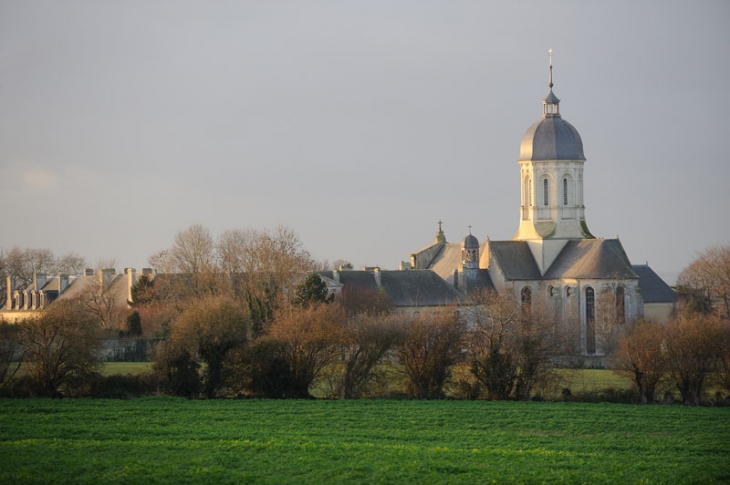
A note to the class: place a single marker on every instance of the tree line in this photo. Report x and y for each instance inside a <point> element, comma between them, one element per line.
<point>257,329</point>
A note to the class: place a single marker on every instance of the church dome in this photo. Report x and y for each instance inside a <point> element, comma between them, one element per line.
<point>470,242</point>
<point>551,138</point>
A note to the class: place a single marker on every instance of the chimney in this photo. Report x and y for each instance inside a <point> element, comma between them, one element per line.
<point>11,290</point>
<point>106,276</point>
<point>375,271</point>
<point>336,275</point>
<point>131,280</point>
<point>39,280</point>
<point>62,283</point>
<point>147,271</point>
<point>88,272</point>
<point>26,299</point>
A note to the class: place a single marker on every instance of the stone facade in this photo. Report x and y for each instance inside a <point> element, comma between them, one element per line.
<point>553,260</point>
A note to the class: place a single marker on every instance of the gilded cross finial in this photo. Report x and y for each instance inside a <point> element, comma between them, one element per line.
<point>440,224</point>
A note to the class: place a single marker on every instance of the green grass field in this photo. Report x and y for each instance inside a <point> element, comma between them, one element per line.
<point>166,440</point>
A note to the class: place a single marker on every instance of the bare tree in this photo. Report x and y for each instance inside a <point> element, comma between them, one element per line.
<point>105,263</point>
<point>61,344</point>
<point>192,251</point>
<point>263,268</point>
<point>308,341</point>
<point>432,344</point>
<point>692,353</point>
<point>70,264</point>
<point>23,264</point>
<point>513,345</point>
<point>235,250</point>
<point>210,329</point>
<point>723,346</point>
<point>705,283</point>
<point>641,356</point>
<point>11,353</point>
<point>104,304</point>
<point>492,361</point>
<point>191,261</point>
<point>366,340</point>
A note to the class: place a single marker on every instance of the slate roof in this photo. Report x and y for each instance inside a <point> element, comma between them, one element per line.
<point>592,258</point>
<point>653,288</point>
<point>418,288</point>
<point>404,288</point>
<point>483,281</point>
<point>447,260</point>
<point>515,259</point>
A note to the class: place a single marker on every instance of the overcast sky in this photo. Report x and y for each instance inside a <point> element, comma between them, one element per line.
<point>358,124</point>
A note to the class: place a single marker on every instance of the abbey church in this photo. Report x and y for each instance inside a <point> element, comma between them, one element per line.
<point>553,259</point>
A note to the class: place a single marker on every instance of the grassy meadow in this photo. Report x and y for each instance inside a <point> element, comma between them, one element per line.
<point>169,440</point>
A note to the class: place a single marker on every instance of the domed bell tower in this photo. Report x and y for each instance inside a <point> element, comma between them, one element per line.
<point>551,179</point>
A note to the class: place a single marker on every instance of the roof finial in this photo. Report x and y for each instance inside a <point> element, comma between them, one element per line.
<point>470,230</point>
<point>440,237</point>
<point>551,68</point>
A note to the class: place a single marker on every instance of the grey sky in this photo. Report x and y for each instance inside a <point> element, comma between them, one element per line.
<point>357,124</point>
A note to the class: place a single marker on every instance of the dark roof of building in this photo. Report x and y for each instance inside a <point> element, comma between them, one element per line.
<point>404,288</point>
<point>515,259</point>
<point>354,278</point>
<point>591,258</point>
<point>418,288</point>
<point>483,282</point>
<point>652,286</point>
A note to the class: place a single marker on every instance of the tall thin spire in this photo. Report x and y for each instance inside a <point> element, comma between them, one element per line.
<point>550,103</point>
<point>550,52</point>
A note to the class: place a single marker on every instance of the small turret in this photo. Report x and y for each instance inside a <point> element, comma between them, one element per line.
<point>470,252</point>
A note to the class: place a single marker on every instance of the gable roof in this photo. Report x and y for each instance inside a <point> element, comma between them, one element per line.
<point>418,288</point>
<point>652,286</point>
<point>592,258</point>
<point>515,259</point>
<point>447,260</point>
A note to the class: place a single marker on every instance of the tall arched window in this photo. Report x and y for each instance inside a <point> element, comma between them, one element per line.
<point>620,305</point>
<point>590,321</point>
<point>526,296</point>
<point>565,191</point>
<point>545,188</point>
<point>529,191</point>
<point>526,299</point>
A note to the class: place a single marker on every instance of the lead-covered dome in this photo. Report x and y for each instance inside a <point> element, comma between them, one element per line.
<point>470,242</point>
<point>551,138</point>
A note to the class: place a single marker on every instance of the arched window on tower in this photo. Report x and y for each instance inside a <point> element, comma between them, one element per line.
<point>545,188</point>
<point>590,321</point>
<point>529,192</point>
<point>565,191</point>
<point>620,305</point>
